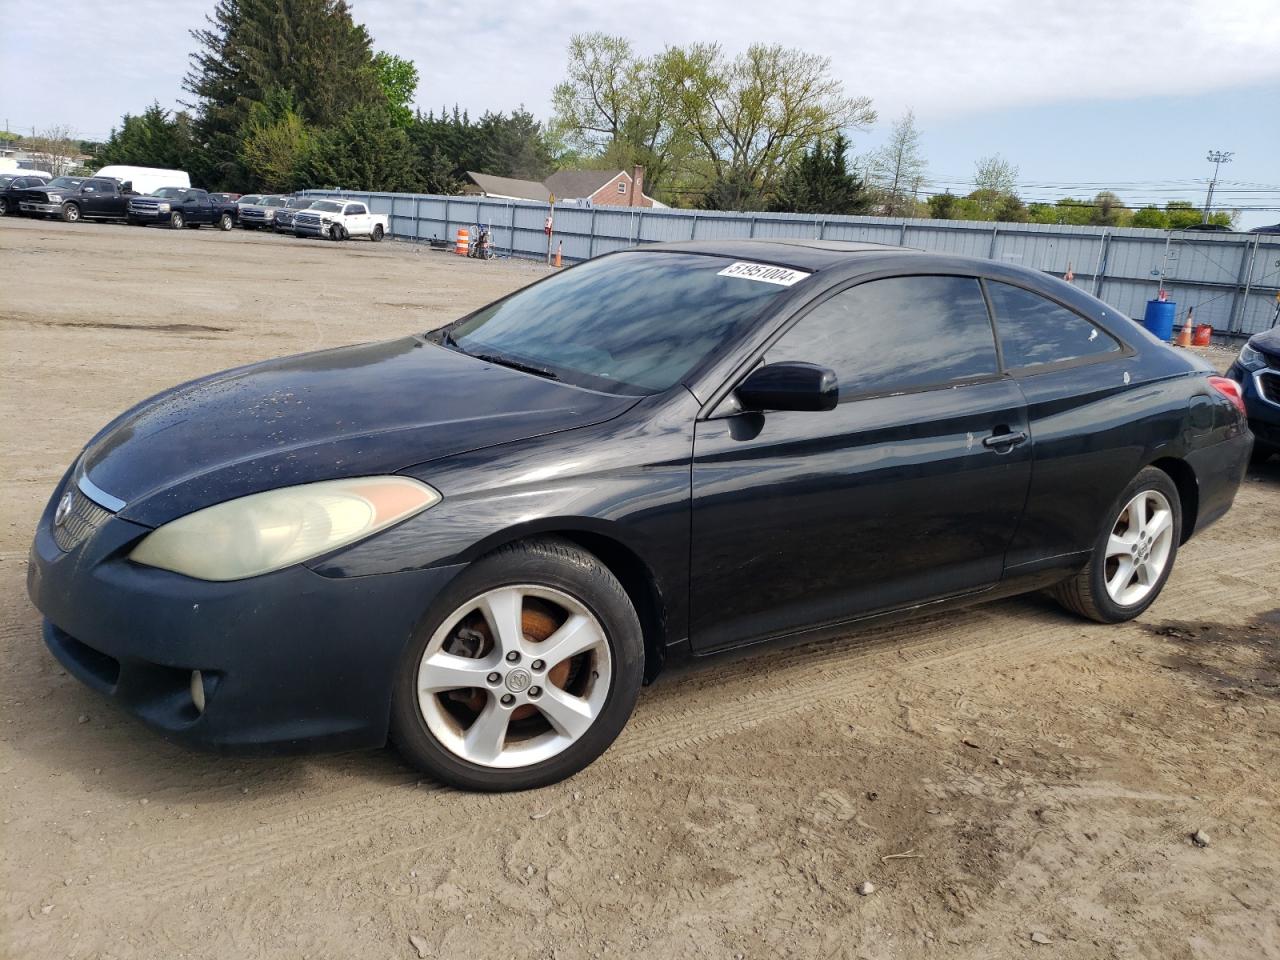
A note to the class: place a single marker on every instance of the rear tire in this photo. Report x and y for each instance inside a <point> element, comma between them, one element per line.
<point>226,222</point>
<point>1133,554</point>
<point>4,207</point>
<point>376,235</point>
<point>563,712</point>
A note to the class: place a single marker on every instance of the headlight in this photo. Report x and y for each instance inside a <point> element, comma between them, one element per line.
<point>55,197</point>
<point>1251,359</point>
<point>267,531</point>
<point>162,207</point>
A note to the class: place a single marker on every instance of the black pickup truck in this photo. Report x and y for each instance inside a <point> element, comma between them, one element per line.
<point>77,198</point>
<point>179,207</point>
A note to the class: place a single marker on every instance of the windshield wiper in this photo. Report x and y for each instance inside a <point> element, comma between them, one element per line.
<point>516,365</point>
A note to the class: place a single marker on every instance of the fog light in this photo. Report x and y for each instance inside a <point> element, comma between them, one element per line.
<point>197,690</point>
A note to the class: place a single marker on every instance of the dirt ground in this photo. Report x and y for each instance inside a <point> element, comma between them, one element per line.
<point>1014,782</point>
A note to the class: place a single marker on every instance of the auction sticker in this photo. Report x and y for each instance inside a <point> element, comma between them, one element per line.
<point>763,272</point>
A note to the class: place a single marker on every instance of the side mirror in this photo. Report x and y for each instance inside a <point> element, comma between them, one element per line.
<point>790,385</point>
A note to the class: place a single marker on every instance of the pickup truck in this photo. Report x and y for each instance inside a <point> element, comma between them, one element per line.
<point>338,220</point>
<point>78,198</point>
<point>261,215</point>
<point>182,207</point>
<point>12,184</point>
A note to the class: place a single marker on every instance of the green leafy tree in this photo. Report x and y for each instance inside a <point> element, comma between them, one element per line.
<point>1011,209</point>
<point>1151,217</point>
<point>275,140</point>
<point>364,151</point>
<point>821,182</point>
<point>398,80</point>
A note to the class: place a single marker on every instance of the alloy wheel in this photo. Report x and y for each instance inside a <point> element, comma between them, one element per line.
<point>514,676</point>
<point>1138,548</point>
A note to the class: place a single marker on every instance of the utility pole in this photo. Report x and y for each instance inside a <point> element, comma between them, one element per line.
<point>1217,158</point>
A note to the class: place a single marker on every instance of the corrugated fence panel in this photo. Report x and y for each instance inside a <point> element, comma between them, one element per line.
<point>1230,280</point>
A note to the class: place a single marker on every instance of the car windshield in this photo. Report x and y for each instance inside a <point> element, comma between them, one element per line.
<point>250,199</point>
<point>327,205</point>
<point>626,323</point>
<point>168,192</point>
<point>6,179</point>
<point>273,202</point>
<point>65,182</point>
<point>298,203</point>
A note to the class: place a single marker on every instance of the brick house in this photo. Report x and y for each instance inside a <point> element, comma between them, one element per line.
<point>582,188</point>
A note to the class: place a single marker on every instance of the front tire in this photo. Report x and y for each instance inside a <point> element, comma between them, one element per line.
<point>525,670</point>
<point>4,207</point>
<point>71,212</point>
<point>1133,555</point>
<point>337,232</point>
<point>176,222</point>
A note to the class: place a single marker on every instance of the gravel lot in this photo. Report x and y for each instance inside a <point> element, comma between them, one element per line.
<point>1004,776</point>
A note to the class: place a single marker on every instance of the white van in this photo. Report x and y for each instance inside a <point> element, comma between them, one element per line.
<point>12,168</point>
<point>146,179</point>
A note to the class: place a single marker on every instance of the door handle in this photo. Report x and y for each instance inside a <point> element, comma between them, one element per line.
<point>1004,442</point>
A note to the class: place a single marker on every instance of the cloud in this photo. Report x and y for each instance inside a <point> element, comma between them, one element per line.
<point>942,57</point>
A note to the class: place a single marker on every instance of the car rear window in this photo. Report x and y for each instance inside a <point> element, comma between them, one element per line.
<point>630,322</point>
<point>1035,331</point>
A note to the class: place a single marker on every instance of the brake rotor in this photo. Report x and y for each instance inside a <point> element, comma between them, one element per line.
<point>537,623</point>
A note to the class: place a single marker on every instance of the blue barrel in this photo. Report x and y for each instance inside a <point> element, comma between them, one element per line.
<point>1159,318</point>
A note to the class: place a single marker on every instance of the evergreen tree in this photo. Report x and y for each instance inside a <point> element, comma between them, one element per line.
<point>155,138</point>
<point>276,139</point>
<point>365,151</point>
<point>311,49</point>
<point>820,182</point>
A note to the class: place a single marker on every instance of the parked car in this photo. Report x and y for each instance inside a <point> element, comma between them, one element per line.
<point>1269,228</point>
<point>180,207</point>
<point>1257,370</point>
<point>483,539</point>
<point>143,180</point>
<point>261,215</point>
<point>77,198</point>
<point>284,216</point>
<point>1207,228</point>
<point>248,199</point>
<point>11,185</point>
<point>339,220</point>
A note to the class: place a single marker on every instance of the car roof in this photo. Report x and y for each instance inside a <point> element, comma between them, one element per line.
<point>801,254</point>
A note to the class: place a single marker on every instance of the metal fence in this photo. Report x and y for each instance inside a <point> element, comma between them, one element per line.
<point>1231,280</point>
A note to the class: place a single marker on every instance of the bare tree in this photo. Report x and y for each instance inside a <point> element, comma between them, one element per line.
<point>898,167</point>
<point>54,148</point>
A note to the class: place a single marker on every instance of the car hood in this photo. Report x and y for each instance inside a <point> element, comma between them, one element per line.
<point>355,411</point>
<point>1268,342</point>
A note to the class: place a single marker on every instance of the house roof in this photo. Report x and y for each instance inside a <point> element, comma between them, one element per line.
<point>578,184</point>
<point>510,187</point>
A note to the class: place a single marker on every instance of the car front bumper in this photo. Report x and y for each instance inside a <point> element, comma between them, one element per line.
<point>1263,413</point>
<point>290,661</point>
<point>150,216</point>
<point>29,206</point>
<point>312,229</point>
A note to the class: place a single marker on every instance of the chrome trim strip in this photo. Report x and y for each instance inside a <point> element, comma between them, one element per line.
<point>97,494</point>
<point>1257,386</point>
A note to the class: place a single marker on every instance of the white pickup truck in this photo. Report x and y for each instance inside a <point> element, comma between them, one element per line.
<point>339,219</point>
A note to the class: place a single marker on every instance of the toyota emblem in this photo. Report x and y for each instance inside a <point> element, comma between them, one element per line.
<point>64,509</point>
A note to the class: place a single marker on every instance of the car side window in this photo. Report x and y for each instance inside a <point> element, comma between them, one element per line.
<point>897,334</point>
<point>355,208</point>
<point>1035,331</point>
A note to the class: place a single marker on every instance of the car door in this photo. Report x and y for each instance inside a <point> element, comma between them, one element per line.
<point>357,219</point>
<point>198,208</point>
<point>908,491</point>
<point>1075,378</point>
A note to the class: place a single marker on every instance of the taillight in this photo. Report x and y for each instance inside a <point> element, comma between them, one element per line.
<point>1229,389</point>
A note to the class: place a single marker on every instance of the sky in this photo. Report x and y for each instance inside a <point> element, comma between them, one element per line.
<point>1077,95</point>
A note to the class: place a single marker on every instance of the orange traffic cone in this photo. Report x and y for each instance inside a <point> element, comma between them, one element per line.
<point>559,253</point>
<point>1184,338</point>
